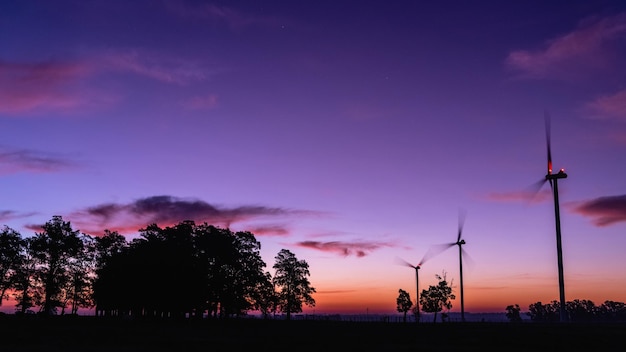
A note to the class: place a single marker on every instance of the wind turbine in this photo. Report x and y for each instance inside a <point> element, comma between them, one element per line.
<point>460,242</point>
<point>429,254</point>
<point>553,179</point>
<point>417,283</point>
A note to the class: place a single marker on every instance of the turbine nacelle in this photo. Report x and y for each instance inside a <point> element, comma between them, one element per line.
<point>560,174</point>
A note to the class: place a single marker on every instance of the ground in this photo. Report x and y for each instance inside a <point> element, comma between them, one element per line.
<point>81,333</point>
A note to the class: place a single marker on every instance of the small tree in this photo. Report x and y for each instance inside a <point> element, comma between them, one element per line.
<point>436,298</point>
<point>513,313</point>
<point>403,303</point>
<point>291,280</point>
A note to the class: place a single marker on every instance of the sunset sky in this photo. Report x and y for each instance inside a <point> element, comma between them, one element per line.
<point>349,132</point>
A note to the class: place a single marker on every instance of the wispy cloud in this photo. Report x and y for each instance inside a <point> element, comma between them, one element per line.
<point>168,211</point>
<point>47,85</point>
<point>609,106</point>
<point>530,195</point>
<point>268,230</point>
<point>6,215</point>
<point>22,160</point>
<point>231,17</point>
<point>204,102</point>
<point>359,249</point>
<point>588,46</point>
<point>604,210</point>
<point>155,66</point>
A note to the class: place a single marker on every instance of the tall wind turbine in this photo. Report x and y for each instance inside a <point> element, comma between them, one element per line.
<point>460,242</point>
<point>553,179</point>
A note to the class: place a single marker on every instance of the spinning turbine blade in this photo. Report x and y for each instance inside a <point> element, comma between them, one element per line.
<point>547,120</point>
<point>461,223</point>
<point>403,262</point>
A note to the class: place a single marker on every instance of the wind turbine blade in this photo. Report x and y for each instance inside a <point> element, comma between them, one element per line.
<point>461,223</point>
<point>403,262</point>
<point>467,259</point>
<point>434,250</point>
<point>547,120</point>
<point>534,189</point>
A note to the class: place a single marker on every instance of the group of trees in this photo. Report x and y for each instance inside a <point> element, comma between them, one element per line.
<point>433,300</point>
<point>184,270</point>
<point>577,311</point>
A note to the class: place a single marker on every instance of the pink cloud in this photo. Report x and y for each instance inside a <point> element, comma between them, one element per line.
<point>605,210</point>
<point>359,249</point>
<point>538,193</point>
<point>585,47</point>
<point>45,85</point>
<point>15,161</point>
<point>169,211</point>
<point>268,230</point>
<point>609,106</point>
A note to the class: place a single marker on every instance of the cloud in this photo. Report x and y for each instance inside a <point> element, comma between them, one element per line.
<point>205,102</point>
<point>605,210</point>
<point>168,211</point>
<point>609,106</point>
<point>6,215</point>
<point>359,249</point>
<point>234,19</point>
<point>16,160</point>
<point>48,85</point>
<point>588,46</point>
<point>155,66</point>
<point>268,230</point>
<point>534,195</point>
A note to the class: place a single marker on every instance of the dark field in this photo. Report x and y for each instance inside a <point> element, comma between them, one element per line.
<point>99,334</point>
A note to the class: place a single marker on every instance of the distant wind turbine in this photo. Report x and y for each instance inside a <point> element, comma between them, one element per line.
<point>460,242</point>
<point>429,254</point>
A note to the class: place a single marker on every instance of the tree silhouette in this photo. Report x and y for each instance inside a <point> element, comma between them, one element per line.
<point>53,250</point>
<point>27,290</point>
<point>403,303</point>
<point>292,283</point>
<point>544,312</point>
<point>11,258</point>
<point>178,271</point>
<point>513,313</point>
<point>436,298</point>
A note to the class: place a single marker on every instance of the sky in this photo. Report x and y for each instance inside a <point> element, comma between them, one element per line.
<point>353,134</point>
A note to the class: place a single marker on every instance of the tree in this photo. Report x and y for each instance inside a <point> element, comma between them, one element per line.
<point>27,290</point>
<point>548,312</point>
<point>612,311</point>
<point>581,310</point>
<point>266,299</point>
<point>291,280</point>
<point>403,303</point>
<point>513,313</point>
<point>11,258</point>
<point>436,298</point>
<point>53,250</point>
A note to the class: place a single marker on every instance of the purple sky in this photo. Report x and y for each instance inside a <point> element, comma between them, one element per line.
<point>348,132</point>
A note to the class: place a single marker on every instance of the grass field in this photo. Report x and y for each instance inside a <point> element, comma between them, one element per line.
<point>83,333</point>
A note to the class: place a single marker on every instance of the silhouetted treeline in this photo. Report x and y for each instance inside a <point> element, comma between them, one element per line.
<point>578,311</point>
<point>186,270</point>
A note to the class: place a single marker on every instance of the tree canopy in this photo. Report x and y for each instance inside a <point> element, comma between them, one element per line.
<point>291,280</point>
<point>438,297</point>
<point>403,303</point>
